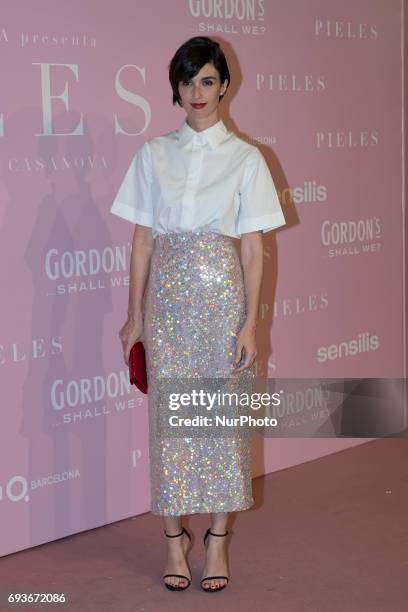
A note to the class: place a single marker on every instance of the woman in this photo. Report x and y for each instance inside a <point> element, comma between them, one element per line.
<point>192,299</point>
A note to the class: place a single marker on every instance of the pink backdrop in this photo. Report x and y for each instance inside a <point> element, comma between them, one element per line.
<point>318,85</point>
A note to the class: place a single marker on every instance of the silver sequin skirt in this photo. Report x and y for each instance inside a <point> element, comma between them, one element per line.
<point>194,308</point>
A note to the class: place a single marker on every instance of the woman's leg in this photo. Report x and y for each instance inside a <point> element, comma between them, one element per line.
<point>176,549</point>
<point>216,551</point>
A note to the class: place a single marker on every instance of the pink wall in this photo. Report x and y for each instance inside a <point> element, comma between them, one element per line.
<point>318,85</point>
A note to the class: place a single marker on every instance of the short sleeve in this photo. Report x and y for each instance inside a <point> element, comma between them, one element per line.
<point>133,201</point>
<point>259,208</point>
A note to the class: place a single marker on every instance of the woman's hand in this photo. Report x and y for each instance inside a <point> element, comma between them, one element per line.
<point>130,333</point>
<point>246,341</point>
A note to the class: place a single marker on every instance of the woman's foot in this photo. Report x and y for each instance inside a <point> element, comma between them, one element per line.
<point>176,560</point>
<point>216,563</point>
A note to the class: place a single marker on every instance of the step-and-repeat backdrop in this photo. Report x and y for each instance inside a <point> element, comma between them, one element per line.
<point>317,85</point>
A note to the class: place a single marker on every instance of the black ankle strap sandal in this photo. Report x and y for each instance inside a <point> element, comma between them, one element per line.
<point>178,587</point>
<point>210,589</point>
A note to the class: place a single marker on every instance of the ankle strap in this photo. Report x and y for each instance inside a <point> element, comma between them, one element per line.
<point>176,535</point>
<point>219,535</point>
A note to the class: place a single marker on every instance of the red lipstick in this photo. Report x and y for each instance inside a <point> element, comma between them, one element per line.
<point>199,105</point>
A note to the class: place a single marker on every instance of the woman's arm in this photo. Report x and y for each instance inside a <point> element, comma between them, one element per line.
<point>252,265</point>
<point>142,248</point>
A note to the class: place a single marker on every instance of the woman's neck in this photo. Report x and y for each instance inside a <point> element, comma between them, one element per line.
<point>202,124</point>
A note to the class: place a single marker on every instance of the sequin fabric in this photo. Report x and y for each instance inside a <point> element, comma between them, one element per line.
<point>194,309</point>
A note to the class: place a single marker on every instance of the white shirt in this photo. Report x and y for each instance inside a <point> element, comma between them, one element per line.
<point>187,180</point>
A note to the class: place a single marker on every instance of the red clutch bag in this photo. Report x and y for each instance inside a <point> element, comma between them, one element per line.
<point>137,367</point>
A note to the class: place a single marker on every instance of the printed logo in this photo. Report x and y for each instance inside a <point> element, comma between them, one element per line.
<point>17,488</point>
<point>346,139</point>
<point>290,82</point>
<point>295,305</point>
<point>352,237</point>
<point>308,193</point>
<point>38,348</point>
<point>364,343</point>
<point>87,270</point>
<point>86,398</point>
<point>329,28</point>
<point>228,16</point>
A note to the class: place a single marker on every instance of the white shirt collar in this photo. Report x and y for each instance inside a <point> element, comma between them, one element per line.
<point>213,135</point>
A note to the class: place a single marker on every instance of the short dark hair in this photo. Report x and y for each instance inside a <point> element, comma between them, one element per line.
<point>191,57</point>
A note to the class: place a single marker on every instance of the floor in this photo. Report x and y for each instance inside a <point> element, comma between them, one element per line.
<point>330,535</point>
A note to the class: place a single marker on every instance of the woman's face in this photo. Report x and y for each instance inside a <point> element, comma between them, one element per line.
<point>205,87</point>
